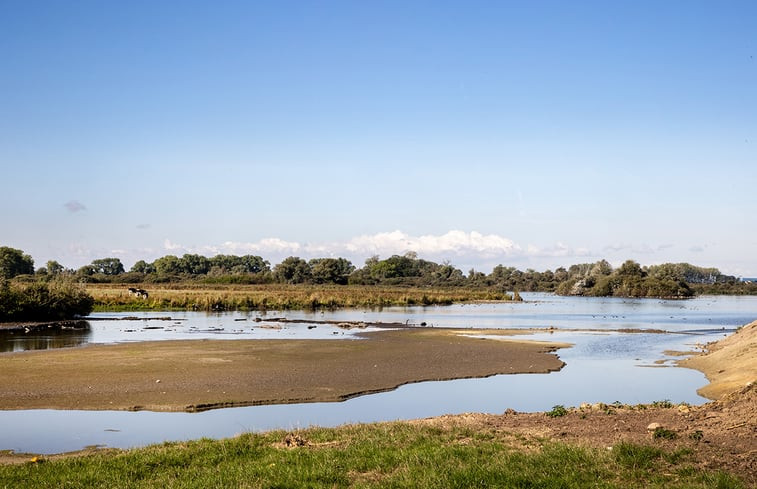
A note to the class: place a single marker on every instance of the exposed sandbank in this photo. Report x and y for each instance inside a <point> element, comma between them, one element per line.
<point>206,374</point>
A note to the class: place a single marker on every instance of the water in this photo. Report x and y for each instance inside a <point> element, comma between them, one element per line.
<point>602,366</point>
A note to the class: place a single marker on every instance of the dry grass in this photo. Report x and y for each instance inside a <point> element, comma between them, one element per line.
<point>203,297</point>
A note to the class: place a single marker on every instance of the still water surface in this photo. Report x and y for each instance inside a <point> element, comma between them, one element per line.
<point>602,366</point>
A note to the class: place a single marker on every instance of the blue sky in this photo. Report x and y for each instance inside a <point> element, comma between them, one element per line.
<point>532,134</point>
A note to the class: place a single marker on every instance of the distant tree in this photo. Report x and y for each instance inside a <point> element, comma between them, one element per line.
<point>238,265</point>
<point>293,270</point>
<point>168,265</point>
<point>143,267</point>
<point>631,269</point>
<point>86,271</point>
<point>108,266</point>
<point>602,267</point>
<point>54,268</point>
<point>14,262</point>
<point>395,266</point>
<point>194,264</point>
<point>254,264</point>
<point>331,270</point>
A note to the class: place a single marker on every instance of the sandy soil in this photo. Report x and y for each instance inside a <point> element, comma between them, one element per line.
<point>729,364</point>
<point>205,374</point>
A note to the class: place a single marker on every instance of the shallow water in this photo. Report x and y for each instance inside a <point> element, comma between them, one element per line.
<point>602,366</point>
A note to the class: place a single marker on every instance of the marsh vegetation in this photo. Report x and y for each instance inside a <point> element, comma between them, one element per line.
<point>43,301</point>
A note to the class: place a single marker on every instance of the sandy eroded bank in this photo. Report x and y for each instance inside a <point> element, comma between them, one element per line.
<point>729,364</point>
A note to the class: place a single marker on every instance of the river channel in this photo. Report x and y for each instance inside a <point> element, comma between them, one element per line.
<point>606,364</point>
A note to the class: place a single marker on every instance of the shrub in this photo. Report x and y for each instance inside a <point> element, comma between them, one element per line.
<point>557,411</point>
<point>41,301</point>
<point>664,434</point>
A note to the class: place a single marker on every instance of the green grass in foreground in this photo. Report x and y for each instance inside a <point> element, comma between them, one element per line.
<point>377,455</point>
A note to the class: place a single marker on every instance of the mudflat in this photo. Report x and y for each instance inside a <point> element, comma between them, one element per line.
<point>205,374</point>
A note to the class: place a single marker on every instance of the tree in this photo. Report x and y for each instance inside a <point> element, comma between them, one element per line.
<point>14,262</point>
<point>231,264</point>
<point>331,270</point>
<point>108,266</point>
<point>54,268</point>
<point>143,267</point>
<point>168,265</point>
<point>194,264</point>
<point>293,270</point>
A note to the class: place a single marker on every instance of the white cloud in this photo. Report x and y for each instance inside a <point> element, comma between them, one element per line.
<point>453,242</point>
<point>168,245</point>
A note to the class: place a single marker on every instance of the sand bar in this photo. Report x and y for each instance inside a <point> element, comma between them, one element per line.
<point>205,374</point>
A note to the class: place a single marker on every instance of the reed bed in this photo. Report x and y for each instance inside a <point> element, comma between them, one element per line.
<point>203,297</point>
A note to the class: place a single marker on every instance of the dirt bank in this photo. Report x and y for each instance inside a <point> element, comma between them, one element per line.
<point>729,364</point>
<point>720,435</point>
<point>205,374</point>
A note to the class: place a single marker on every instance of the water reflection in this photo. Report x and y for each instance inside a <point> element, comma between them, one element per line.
<point>13,341</point>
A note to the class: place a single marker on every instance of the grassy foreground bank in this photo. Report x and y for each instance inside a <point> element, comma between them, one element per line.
<point>205,297</point>
<point>378,455</point>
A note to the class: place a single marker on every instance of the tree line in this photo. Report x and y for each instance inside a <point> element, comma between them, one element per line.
<point>589,279</point>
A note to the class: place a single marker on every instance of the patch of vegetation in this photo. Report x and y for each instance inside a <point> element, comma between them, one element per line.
<point>557,411</point>
<point>377,455</point>
<point>633,456</point>
<point>277,297</point>
<point>668,280</point>
<point>697,435</point>
<point>43,301</point>
<point>662,404</point>
<point>664,434</point>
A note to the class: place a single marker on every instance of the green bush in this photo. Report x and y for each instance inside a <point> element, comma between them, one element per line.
<point>40,301</point>
<point>557,411</point>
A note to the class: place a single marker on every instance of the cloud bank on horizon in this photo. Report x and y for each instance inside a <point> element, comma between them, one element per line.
<point>460,248</point>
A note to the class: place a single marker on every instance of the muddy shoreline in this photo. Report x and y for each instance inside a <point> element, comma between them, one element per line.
<point>194,375</point>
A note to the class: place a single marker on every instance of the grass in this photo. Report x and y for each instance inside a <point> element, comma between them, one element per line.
<point>223,297</point>
<point>375,455</point>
